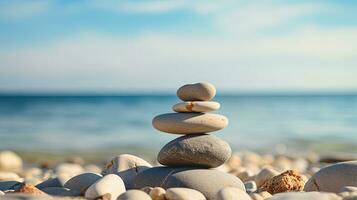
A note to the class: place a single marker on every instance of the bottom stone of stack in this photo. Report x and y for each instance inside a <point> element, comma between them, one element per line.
<point>207,181</point>
<point>199,150</point>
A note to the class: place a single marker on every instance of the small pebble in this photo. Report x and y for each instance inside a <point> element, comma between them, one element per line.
<point>264,175</point>
<point>157,193</point>
<point>110,184</point>
<point>289,181</point>
<point>10,161</point>
<point>250,186</point>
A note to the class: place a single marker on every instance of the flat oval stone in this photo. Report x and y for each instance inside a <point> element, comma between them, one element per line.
<point>208,182</point>
<point>134,195</point>
<point>196,106</point>
<point>183,194</point>
<point>10,161</point>
<point>110,184</point>
<point>332,178</point>
<point>189,123</point>
<point>304,196</point>
<point>231,193</point>
<point>195,150</point>
<point>197,92</point>
<point>127,167</point>
<point>82,182</point>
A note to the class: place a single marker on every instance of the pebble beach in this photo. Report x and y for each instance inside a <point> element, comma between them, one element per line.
<point>196,165</point>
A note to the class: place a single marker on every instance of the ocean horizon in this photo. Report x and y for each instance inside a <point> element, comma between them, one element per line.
<point>257,121</point>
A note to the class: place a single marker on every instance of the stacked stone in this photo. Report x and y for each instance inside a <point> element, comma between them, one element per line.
<point>192,119</point>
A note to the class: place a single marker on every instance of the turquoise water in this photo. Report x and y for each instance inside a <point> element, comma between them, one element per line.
<point>57,123</point>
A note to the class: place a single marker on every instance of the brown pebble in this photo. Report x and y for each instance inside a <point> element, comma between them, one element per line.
<point>157,193</point>
<point>30,189</point>
<point>289,181</point>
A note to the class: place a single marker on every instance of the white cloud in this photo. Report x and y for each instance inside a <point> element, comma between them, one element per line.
<point>20,9</point>
<point>249,18</point>
<point>310,58</point>
<point>238,57</point>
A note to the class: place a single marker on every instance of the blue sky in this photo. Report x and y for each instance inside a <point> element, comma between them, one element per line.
<point>97,45</point>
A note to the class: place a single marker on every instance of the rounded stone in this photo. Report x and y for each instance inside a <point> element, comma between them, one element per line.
<point>60,191</point>
<point>134,195</point>
<point>289,181</point>
<point>304,196</point>
<point>157,193</point>
<point>196,106</point>
<point>332,178</point>
<point>230,193</point>
<point>183,194</point>
<point>195,150</point>
<point>127,167</point>
<point>197,92</point>
<point>82,182</point>
<point>264,175</point>
<point>208,182</point>
<point>110,184</point>
<point>10,161</point>
<point>189,123</point>
<point>250,186</point>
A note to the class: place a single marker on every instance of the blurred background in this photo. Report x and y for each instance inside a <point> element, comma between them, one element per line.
<point>89,76</point>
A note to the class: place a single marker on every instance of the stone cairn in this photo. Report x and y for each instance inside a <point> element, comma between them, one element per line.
<point>192,119</point>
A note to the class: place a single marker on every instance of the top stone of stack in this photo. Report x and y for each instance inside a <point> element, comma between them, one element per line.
<point>197,92</point>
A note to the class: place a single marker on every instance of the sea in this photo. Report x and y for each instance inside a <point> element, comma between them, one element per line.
<point>260,122</point>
